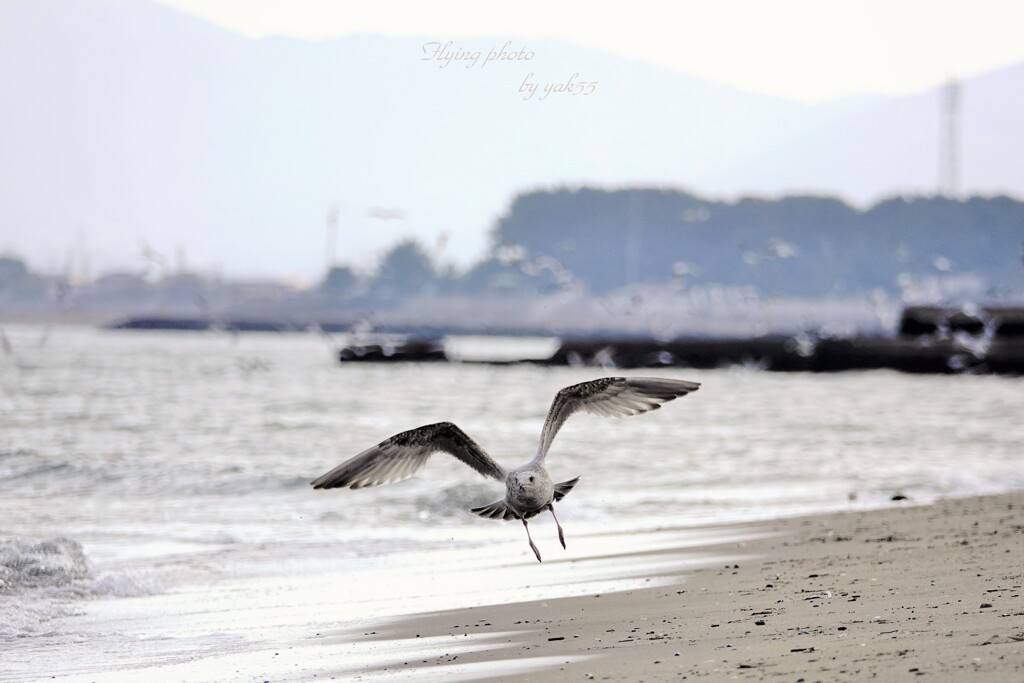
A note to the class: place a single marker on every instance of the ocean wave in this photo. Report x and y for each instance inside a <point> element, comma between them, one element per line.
<point>36,580</point>
<point>29,467</point>
<point>41,473</point>
<point>56,562</point>
<point>41,580</point>
<point>124,584</point>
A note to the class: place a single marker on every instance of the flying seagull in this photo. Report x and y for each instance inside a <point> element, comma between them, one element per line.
<point>528,489</point>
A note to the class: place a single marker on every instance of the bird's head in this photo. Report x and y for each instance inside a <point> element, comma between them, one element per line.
<point>526,480</point>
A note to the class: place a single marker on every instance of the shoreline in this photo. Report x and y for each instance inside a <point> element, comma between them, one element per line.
<point>898,593</point>
<point>930,590</point>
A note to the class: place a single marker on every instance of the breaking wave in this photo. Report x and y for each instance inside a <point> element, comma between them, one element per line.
<point>41,580</point>
<point>54,563</point>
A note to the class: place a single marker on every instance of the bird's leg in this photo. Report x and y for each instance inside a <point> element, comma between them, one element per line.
<point>532,546</point>
<point>561,536</point>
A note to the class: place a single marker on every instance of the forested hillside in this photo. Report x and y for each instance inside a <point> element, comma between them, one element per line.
<point>791,246</point>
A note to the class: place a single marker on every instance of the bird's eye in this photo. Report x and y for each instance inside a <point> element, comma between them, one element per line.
<point>531,478</point>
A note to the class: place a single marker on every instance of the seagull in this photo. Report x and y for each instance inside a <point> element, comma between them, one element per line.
<point>529,489</point>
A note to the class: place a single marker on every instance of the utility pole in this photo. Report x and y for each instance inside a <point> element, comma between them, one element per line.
<point>332,237</point>
<point>949,142</point>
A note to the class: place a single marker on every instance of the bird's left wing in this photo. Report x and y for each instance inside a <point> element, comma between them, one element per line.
<point>405,454</point>
<point>614,396</point>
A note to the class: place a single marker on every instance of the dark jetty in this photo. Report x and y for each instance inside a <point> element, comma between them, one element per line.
<point>930,339</point>
<point>212,324</point>
<point>160,323</point>
<point>788,354</point>
<point>416,350</point>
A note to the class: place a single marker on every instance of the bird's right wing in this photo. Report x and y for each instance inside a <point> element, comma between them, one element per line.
<point>405,454</point>
<point>613,396</point>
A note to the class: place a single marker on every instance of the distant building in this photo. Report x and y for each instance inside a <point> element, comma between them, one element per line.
<point>19,287</point>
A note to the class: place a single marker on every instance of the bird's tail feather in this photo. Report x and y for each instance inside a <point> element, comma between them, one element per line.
<point>562,490</point>
<point>499,510</point>
<point>496,510</point>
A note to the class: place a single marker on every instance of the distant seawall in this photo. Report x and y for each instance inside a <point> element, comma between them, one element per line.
<point>929,340</point>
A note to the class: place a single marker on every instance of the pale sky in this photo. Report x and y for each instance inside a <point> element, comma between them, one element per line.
<point>807,50</point>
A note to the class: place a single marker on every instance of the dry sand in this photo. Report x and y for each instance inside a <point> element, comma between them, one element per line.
<point>911,593</point>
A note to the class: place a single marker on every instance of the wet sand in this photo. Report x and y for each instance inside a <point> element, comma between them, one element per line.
<point>909,593</point>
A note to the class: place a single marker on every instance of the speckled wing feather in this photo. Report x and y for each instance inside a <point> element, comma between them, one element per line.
<point>405,454</point>
<point>612,396</point>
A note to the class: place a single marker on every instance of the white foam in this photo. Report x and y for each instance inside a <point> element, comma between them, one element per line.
<point>41,582</point>
<point>28,563</point>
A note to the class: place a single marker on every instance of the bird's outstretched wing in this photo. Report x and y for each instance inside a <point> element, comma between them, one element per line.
<point>613,396</point>
<point>405,454</point>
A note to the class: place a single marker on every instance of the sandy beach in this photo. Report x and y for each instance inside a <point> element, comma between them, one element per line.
<point>918,591</point>
<point>886,594</point>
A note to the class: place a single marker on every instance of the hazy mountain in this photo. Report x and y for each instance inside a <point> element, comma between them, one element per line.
<point>127,121</point>
<point>879,146</point>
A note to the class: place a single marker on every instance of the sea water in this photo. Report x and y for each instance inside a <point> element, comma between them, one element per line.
<point>155,506</point>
